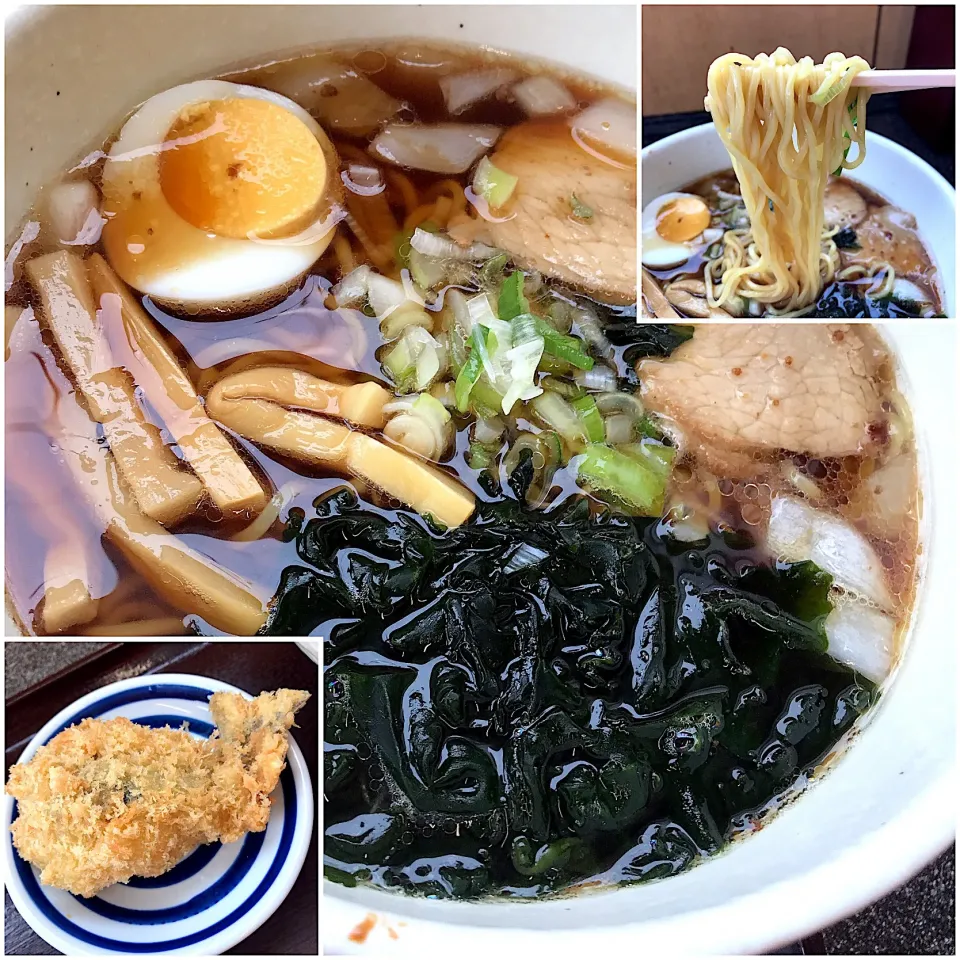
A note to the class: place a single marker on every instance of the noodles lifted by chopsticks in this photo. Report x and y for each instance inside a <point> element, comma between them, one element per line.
<point>787,125</point>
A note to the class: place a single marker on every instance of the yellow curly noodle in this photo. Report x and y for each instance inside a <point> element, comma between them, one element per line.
<point>375,221</point>
<point>786,124</point>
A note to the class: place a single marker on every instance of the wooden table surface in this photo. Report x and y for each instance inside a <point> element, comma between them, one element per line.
<point>252,666</point>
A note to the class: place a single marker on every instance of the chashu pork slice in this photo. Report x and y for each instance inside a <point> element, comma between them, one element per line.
<point>595,251</point>
<point>740,393</point>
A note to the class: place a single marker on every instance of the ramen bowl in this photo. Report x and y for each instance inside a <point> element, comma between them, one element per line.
<point>883,811</point>
<point>889,169</point>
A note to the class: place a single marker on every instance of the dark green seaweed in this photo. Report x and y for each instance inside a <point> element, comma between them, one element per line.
<point>541,699</point>
<point>848,299</point>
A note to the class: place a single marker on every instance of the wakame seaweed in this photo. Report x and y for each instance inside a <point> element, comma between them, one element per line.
<point>539,699</point>
<point>846,239</point>
<point>843,299</point>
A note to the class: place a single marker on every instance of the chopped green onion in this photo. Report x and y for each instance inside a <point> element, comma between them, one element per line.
<point>657,456</point>
<point>481,455</point>
<point>555,366</point>
<point>489,429</point>
<point>407,315</point>
<point>554,411</point>
<point>614,401</point>
<point>444,393</point>
<point>496,186</point>
<point>470,372</point>
<point>512,301</point>
<point>545,451</point>
<point>648,427</point>
<point>401,366</point>
<point>427,272</point>
<point>386,295</point>
<point>458,349</point>
<point>580,210</point>
<point>632,481</point>
<point>480,311</point>
<point>485,400</point>
<point>352,289</point>
<point>488,347</point>
<point>428,365</point>
<point>509,354</point>
<point>562,347</point>
<point>414,361</point>
<point>491,273</point>
<point>521,368</point>
<point>524,327</point>
<point>619,428</point>
<point>852,110</point>
<point>829,91</point>
<point>429,406</point>
<point>587,411</point>
<point>560,314</point>
<point>566,388</point>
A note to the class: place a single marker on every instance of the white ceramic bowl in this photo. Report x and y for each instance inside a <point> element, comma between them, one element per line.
<point>882,812</point>
<point>893,171</point>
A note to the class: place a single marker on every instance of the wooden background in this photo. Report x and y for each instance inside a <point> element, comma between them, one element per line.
<point>678,43</point>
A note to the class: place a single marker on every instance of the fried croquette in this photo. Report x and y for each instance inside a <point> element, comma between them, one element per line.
<point>107,800</point>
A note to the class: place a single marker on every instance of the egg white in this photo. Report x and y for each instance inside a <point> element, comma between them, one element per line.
<point>182,265</point>
<point>657,252</point>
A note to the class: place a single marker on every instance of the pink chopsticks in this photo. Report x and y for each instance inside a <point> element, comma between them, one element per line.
<point>894,81</point>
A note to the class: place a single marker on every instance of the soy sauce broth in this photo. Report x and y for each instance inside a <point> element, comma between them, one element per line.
<point>303,331</point>
<point>853,297</point>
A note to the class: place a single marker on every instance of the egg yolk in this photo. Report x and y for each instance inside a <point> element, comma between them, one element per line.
<point>242,167</point>
<point>682,219</point>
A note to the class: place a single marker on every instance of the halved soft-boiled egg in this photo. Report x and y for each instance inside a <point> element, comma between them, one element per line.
<point>218,197</point>
<point>672,229</point>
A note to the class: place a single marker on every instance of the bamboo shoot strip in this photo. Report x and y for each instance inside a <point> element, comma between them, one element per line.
<point>163,491</point>
<point>315,440</point>
<point>70,594</point>
<point>229,481</point>
<point>182,576</point>
<point>360,403</point>
<point>67,602</point>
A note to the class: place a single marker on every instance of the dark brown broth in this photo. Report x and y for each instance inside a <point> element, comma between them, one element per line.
<point>726,180</point>
<point>299,332</point>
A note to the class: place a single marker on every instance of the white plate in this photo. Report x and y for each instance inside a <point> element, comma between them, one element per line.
<point>214,897</point>
<point>311,648</point>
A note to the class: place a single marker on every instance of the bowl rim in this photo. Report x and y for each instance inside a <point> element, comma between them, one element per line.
<point>675,139</point>
<point>754,923</point>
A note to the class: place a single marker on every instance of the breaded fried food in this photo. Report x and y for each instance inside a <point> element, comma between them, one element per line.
<point>107,800</point>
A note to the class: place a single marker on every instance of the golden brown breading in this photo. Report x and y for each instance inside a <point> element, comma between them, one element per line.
<point>105,801</point>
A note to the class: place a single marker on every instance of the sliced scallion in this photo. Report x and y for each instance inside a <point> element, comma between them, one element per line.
<point>586,408</point>
<point>470,372</point>
<point>496,186</point>
<point>562,347</point>
<point>512,302</point>
<point>633,482</point>
<point>581,211</point>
